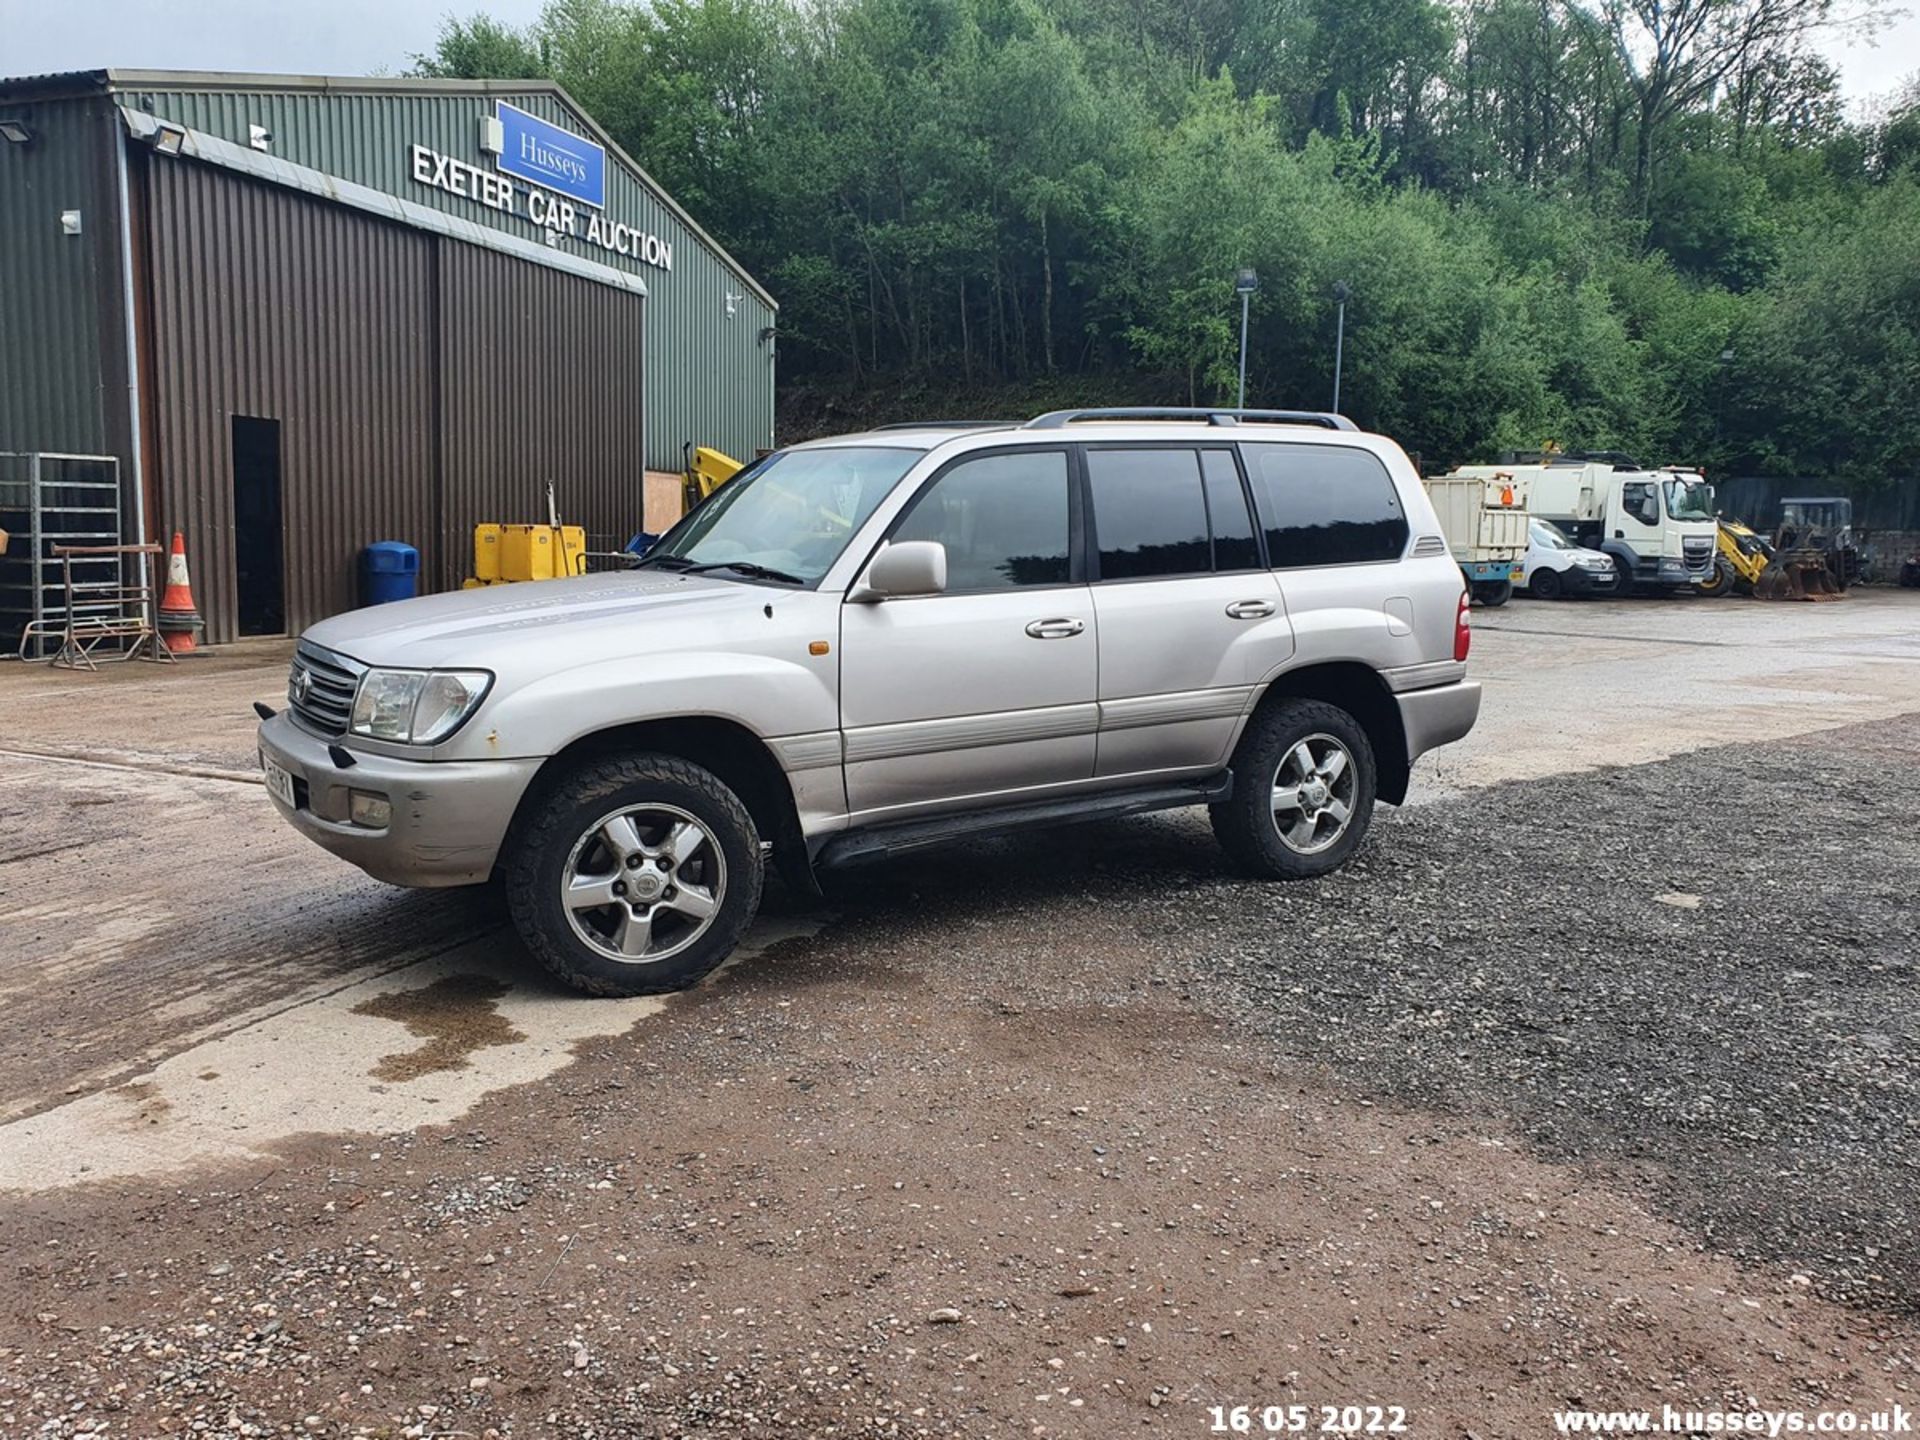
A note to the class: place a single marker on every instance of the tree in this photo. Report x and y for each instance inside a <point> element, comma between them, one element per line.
<point>1676,54</point>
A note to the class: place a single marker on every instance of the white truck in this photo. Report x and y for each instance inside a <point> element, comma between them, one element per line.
<point>1485,521</point>
<point>1658,526</point>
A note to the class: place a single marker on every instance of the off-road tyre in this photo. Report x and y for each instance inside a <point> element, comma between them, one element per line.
<point>1245,825</point>
<point>1721,584</point>
<point>543,841</point>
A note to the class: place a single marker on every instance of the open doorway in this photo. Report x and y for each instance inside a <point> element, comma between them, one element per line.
<point>259,538</point>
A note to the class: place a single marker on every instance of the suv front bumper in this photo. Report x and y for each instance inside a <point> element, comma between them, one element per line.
<point>445,823</point>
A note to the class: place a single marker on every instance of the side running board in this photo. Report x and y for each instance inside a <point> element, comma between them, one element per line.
<point>902,837</point>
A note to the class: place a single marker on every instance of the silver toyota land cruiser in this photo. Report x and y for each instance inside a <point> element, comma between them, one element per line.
<point>867,645</point>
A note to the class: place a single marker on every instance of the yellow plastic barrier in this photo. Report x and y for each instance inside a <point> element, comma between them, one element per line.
<point>507,553</point>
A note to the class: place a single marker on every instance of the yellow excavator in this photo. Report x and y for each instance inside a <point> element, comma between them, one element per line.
<point>1741,561</point>
<point>705,470</point>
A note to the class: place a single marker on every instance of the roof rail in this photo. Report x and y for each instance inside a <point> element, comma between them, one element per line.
<point>945,425</point>
<point>1213,415</point>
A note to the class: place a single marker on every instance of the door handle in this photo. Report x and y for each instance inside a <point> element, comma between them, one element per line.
<point>1060,629</point>
<point>1250,609</point>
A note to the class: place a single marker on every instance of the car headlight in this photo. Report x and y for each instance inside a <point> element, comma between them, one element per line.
<point>416,707</point>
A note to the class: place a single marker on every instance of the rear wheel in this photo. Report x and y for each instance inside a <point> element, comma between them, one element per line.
<point>1304,783</point>
<point>1547,585</point>
<point>635,876</point>
<point>1492,593</point>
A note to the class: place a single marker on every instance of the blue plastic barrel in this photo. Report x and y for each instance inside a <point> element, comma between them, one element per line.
<point>389,571</point>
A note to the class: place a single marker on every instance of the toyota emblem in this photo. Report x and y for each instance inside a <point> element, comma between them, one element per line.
<point>301,684</point>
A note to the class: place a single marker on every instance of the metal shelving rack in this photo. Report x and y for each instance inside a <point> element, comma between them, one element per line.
<point>50,499</point>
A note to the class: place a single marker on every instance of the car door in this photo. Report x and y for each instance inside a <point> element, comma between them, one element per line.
<point>985,692</point>
<point>1189,618</point>
<point>1638,524</point>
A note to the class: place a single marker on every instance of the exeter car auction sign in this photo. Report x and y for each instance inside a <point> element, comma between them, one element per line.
<point>547,176</point>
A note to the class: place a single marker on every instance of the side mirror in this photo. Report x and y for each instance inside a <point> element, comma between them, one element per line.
<point>903,569</point>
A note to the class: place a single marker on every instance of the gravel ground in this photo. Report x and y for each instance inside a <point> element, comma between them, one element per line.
<point>1700,977</point>
<point>1565,1093</point>
<point>1702,974</point>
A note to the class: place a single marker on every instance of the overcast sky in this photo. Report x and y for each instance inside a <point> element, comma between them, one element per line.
<point>358,37</point>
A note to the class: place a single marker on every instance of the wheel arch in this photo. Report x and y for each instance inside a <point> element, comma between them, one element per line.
<point>1359,690</point>
<point>739,757</point>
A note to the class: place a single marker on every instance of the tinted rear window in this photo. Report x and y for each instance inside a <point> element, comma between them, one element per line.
<point>1149,513</point>
<point>1324,505</point>
<point>1233,547</point>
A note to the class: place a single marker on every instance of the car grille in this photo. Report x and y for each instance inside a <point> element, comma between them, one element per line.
<point>1697,552</point>
<point>320,688</point>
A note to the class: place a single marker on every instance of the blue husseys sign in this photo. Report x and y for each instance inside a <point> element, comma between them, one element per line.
<point>547,155</point>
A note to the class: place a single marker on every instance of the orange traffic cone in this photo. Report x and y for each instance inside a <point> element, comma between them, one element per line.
<point>178,616</point>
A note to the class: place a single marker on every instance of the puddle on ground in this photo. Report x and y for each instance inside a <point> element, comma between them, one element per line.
<point>332,1063</point>
<point>456,1015</point>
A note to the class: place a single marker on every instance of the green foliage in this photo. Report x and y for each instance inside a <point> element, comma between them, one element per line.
<point>1840,334</point>
<point>1548,229</point>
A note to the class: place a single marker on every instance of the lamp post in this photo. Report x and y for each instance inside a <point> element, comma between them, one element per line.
<point>1244,284</point>
<point>1340,294</point>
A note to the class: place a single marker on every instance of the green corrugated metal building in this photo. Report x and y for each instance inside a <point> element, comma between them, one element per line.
<point>308,313</point>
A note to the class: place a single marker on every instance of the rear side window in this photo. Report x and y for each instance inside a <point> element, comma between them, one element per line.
<point>1233,545</point>
<point>1003,518</point>
<point>1161,512</point>
<point>1149,513</point>
<point>1325,505</point>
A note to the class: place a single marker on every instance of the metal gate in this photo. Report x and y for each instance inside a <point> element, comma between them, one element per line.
<point>49,499</point>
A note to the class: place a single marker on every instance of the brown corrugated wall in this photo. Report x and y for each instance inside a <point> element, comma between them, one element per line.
<point>271,305</point>
<point>539,380</point>
<point>422,385</point>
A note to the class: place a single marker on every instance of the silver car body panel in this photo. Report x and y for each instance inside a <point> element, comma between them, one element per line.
<point>1438,716</point>
<point>945,698</point>
<point>920,705</point>
<point>1177,665</point>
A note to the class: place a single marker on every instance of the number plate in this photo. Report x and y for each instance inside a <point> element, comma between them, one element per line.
<point>279,783</point>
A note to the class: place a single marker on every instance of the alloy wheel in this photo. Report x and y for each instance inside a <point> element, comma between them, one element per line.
<point>643,883</point>
<point>1313,792</point>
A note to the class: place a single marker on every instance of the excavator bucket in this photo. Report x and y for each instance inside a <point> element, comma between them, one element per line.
<point>1797,575</point>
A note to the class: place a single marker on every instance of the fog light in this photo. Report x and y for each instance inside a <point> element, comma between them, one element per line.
<point>368,809</point>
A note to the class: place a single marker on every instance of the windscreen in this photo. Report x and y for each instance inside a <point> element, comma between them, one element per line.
<point>790,516</point>
<point>1550,536</point>
<point>1689,499</point>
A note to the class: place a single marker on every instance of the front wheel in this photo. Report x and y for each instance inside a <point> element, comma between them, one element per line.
<point>1304,783</point>
<point>635,876</point>
<point>1546,585</point>
<point>1719,583</point>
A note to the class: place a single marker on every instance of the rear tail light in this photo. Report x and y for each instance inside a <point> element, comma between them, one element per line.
<point>1462,630</point>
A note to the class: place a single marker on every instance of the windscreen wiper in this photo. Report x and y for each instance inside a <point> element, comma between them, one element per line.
<point>676,563</point>
<point>745,567</point>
